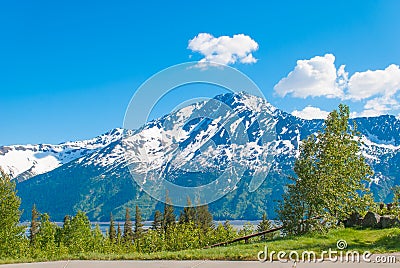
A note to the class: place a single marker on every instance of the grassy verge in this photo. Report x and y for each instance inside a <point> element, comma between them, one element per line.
<point>375,241</point>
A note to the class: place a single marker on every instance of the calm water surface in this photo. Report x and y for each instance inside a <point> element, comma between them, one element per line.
<point>104,226</point>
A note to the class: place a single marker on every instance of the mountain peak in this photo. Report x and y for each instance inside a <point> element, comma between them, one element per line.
<point>255,103</point>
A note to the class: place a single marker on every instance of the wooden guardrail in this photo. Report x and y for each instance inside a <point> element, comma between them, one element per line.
<point>246,238</point>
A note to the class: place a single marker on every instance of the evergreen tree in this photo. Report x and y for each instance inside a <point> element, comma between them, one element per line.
<point>169,216</point>
<point>157,222</point>
<point>138,223</point>
<point>34,229</point>
<point>188,214</point>
<point>112,234</point>
<point>128,232</point>
<point>67,220</point>
<point>204,219</point>
<point>11,232</point>
<point>264,225</point>
<point>119,233</point>
<point>331,173</point>
<point>62,235</point>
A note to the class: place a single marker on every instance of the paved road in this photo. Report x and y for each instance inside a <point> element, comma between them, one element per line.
<point>194,264</point>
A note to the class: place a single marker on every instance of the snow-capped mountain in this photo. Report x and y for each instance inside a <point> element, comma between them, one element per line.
<point>25,161</point>
<point>193,146</point>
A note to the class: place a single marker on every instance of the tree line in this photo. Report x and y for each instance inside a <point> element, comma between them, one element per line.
<point>193,228</point>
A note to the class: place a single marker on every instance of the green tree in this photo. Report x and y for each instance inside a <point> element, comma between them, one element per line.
<point>188,214</point>
<point>97,239</point>
<point>138,223</point>
<point>45,237</point>
<point>264,225</point>
<point>77,234</point>
<point>112,234</point>
<point>11,233</point>
<point>35,224</point>
<point>229,232</point>
<point>128,232</point>
<point>395,210</point>
<point>204,219</point>
<point>169,216</point>
<point>247,229</point>
<point>157,222</point>
<point>67,219</point>
<point>119,233</point>
<point>62,237</point>
<point>331,177</point>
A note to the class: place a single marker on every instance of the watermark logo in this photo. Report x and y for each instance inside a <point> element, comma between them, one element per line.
<point>333,255</point>
<point>341,244</point>
<point>219,140</point>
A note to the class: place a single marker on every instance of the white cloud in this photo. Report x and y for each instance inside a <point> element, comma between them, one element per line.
<point>378,106</point>
<point>381,104</point>
<point>364,85</point>
<point>310,112</point>
<point>224,49</point>
<point>378,90</point>
<point>314,78</point>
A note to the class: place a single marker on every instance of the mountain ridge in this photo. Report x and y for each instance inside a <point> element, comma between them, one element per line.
<point>99,181</point>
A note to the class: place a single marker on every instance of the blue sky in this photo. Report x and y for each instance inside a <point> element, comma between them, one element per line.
<point>68,69</point>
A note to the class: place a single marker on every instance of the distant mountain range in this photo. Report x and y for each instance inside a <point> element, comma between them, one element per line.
<point>93,175</point>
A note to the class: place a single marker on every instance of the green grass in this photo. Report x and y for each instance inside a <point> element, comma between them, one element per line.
<point>375,241</point>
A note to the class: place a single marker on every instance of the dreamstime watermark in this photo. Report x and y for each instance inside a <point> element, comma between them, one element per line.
<point>333,255</point>
<point>225,138</point>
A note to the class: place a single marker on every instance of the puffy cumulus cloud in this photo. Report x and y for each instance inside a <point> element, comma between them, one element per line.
<point>314,78</point>
<point>224,49</point>
<point>310,112</point>
<point>378,90</point>
<point>363,85</point>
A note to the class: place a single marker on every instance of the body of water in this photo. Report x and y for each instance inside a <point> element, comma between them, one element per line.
<point>105,226</point>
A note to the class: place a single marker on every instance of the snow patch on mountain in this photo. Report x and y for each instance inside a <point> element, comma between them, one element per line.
<point>24,161</point>
<point>384,145</point>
